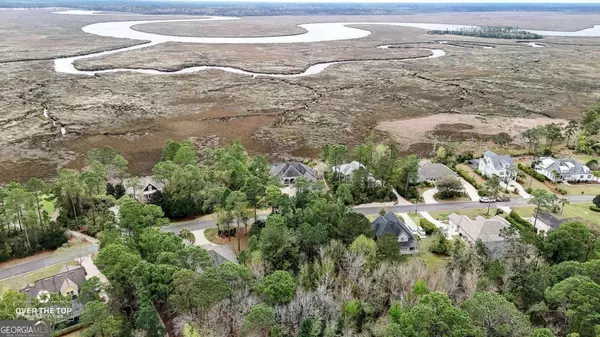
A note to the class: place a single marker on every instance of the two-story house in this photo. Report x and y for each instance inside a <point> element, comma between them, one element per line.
<point>565,169</point>
<point>500,165</point>
<point>390,224</point>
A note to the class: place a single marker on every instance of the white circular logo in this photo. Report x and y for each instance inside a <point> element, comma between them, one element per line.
<point>43,296</point>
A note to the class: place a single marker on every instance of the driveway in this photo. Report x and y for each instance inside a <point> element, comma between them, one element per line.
<point>428,196</point>
<point>91,270</point>
<point>200,238</point>
<point>470,189</point>
<point>520,189</point>
<point>444,227</point>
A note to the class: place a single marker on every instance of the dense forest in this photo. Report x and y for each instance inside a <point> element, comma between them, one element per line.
<point>287,8</point>
<point>490,32</point>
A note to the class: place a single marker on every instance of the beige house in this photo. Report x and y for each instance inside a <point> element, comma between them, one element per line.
<point>487,230</point>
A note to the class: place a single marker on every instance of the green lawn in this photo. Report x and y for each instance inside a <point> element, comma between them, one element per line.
<point>581,189</point>
<point>584,158</point>
<point>463,198</point>
<point>581,210</point>
<point>465,168</point>
<point>535,184</point>
<point>211,234</point>
<point>18,282</point>
<point>471,213</point>
<point>524,211</point>
<point>433,261</point>
<point>416,217</point>
<point>47,206</point>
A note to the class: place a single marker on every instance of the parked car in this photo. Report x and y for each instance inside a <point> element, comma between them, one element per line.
<point>487,200</point>
<point>503,198</point>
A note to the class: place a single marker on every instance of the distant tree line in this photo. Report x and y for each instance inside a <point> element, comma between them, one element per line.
<point>269,9</point>
<point>490,32</point>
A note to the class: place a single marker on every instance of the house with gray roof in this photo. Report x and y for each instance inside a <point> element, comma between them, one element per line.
<point>500,165</point>
<point>487,230</point>
<point>220,253</point>
<point>390,224</point>
<point>68,281</point>
<point>431,172</point>
<point>288,173</point>
<point>565,169</point>
<point>146,187</point>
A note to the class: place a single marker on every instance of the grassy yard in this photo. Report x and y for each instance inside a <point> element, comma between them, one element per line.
<point>584,158</point>
<point>581,210</point>
<point>471,213</point>
<point>535,184</point>
<point>524,211</point>
<point>21,281</point>
<point>479,179</point>
<point>211,235</point>
<point>433,261</point>
<point>416,217</point>
<point>581,189</point>
<point>463,198</point>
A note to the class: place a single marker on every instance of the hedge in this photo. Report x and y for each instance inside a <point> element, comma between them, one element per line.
<point>468,178</point>
<point>595,209</point>
<point>532,172</point>
<point>428,226</point>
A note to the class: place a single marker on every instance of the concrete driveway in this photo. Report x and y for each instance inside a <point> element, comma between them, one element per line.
<point>428,196</point>
<point>470,189</point>
<point>520,189</point>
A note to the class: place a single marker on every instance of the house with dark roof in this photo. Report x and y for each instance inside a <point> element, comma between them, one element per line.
<point>390,224</point>
<point>565,169</point>
<point>68,281</point>
<point>288,173</point>
<point>500,165</point>
<point>550,220</point>
<point>487,230</point>
<point>431,172</point>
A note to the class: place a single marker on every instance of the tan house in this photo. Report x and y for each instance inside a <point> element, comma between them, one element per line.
<point>489,231</point>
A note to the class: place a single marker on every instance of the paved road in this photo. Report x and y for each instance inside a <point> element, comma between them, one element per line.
<point>29,266</point>
<point>47,261</point>
<point>203,224</point>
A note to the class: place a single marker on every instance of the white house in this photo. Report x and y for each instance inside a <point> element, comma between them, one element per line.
<point>565,169</point>
<point>502,166</point>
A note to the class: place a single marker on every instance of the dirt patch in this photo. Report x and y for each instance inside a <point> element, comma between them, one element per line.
<point>481,128</point>
<point>453,127</point>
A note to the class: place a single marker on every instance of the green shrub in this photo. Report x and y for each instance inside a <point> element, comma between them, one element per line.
<point>428,226</point>
<point>529,190</point>
<point>595,209</point>
<point>466,176</point>
<point>561,190</point>
<point>441,245</point>
<point>532,172</point>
